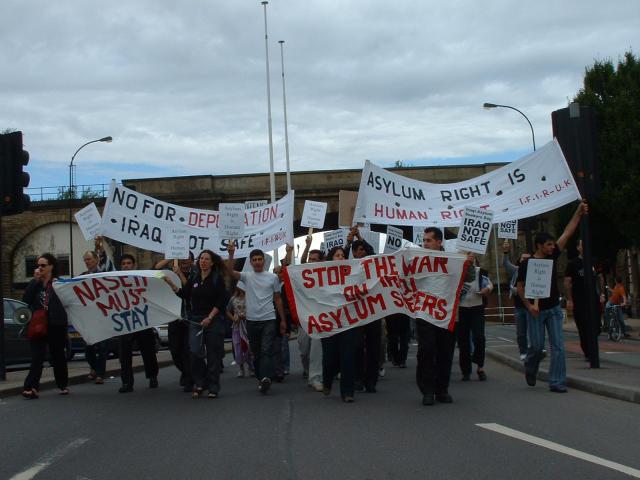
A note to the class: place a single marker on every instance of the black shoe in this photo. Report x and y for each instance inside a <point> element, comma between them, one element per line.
<point>265,384</point>
<point>466,378</point>
<point>347,399</point>
<point>187,388</point>
<point>359,387</point>
<point>482,376</point>
<point>531,379</point>
<point>370,389</point>
<point>428,399</point>
<point>558,389</point>
<point>153,382</point>
<point>444,398</point>
<point>125,388</point>
<point>279,378</point>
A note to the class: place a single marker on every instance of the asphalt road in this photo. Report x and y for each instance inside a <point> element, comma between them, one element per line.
<point>294,433</point>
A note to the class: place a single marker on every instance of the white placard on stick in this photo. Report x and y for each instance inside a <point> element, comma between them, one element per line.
<point>475,230</point>
<point>89,221</point>
<point>231,220</point>
<point>313,214</point>
<point>394,239</point>
<point>508,230</point>
<point>418,236</point>
<point>538,281</point>
<point>177,246</point>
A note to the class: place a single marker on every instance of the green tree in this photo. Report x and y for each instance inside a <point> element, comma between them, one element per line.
<point>614,92</point>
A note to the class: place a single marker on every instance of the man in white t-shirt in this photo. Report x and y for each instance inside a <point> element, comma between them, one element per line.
<point>262,292</point>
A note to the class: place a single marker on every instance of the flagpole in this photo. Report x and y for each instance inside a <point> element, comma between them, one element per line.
<point>284,103</point>
<point>272,176</point>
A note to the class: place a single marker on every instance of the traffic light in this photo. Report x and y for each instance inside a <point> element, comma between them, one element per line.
<point>14,179</point>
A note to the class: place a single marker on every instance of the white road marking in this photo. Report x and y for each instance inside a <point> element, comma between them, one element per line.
<point>47,459</point>
<point>506,339</point>
<point>560,448</point>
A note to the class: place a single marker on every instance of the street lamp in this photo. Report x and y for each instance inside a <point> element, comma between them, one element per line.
<point>488,106</point>
<point>72,196</point>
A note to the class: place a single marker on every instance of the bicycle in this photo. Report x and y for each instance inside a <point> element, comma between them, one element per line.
<point>612,322</point>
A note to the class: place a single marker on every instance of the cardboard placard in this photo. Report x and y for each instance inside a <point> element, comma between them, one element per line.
<point>313,214</point>
<point>177,244</point>
<point>475,230</point>
<point>508,230</point>
<point>335,238</point>
<point>346,206</point>
<point>538,281</point>
<point>231,220</point>
<point>394,239</point>
<point>89,221</point>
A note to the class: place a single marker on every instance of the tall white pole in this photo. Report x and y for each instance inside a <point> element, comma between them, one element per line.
<point>286,131</point>
<point>495,249</point>
<point>272,177</point>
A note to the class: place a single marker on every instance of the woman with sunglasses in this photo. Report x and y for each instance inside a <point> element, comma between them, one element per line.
<point>39,294</point>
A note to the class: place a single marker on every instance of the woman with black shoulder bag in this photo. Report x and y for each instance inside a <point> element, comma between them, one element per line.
<point>47,328</point>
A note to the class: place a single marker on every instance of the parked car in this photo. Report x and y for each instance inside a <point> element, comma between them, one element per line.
<point>16,344</point>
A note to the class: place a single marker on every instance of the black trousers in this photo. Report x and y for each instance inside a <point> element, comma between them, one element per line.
<point>178,331</point>
<point>339,355</point>
<point>471,323</point>
<point>368,353</point>
<point>397,338</point>
<point>435,355</point>
<point>207,350</point>
<point>146,341</point>
<point>56,342</point>
<point>580,317</point>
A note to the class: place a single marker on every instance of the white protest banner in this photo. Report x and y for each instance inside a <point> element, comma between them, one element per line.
<point>255,204</point>
<point>144,222</point>
<point>89,221</point>
<point>394,239</point>
<point>108,304</point>
<point>313,214</point>
<point>508,230</point>
<point>331,297</point>
<point>538,281</point>
<point>475,230</point>
<point>534,184</point>
<point>231,225</point>
<point>372,238</point>
<point>335,238</point>
<point>177,246</point>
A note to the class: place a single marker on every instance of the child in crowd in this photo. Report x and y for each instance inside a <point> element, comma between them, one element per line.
<point>236,311</point>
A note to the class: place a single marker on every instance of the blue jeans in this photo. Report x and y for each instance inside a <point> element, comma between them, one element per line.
<point>261,336</point>
<point>521,329</point>
<point>551,318</point>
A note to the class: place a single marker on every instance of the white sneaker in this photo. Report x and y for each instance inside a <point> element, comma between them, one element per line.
<point>381,372</point>
<point>523,356</point>
<point>241,373</point>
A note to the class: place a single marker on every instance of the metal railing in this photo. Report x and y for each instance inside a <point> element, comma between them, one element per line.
<point>41,194</point>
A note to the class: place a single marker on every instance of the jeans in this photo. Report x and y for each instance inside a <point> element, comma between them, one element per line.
<point>261,338</point>
<point>207,350</point>
<point>471,321</point>
<point>520,315</point>
<point>551,318</point>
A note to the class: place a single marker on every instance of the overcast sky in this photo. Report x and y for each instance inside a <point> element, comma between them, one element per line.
<point>181,86</point>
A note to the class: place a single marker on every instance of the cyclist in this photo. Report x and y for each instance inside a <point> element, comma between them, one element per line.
<point>618,297</point>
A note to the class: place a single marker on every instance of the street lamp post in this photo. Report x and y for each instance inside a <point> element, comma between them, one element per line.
<point>72,197</point>
<point>286,132</point>
<point>527,227</point>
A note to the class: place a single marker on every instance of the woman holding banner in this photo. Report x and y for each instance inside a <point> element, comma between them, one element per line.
<point>40,295</point>
<point>206,292</point>
<point>339,352</point>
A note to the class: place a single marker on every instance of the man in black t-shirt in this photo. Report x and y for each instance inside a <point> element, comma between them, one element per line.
<point>546,312</point>
<point>575,290</point>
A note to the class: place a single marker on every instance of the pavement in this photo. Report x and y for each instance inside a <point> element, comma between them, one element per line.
<point>619,373</point>
<point>79,371</point>
<point>618,376</point>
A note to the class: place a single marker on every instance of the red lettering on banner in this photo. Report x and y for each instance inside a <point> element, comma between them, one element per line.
<point>83,291</point>
<point>420,264</point>
<point>353,313</point>
<point>353,292</point>
<point>384,266</point>
<point>321,276</point>
<point>391,213</point>
<point>202,219</point>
